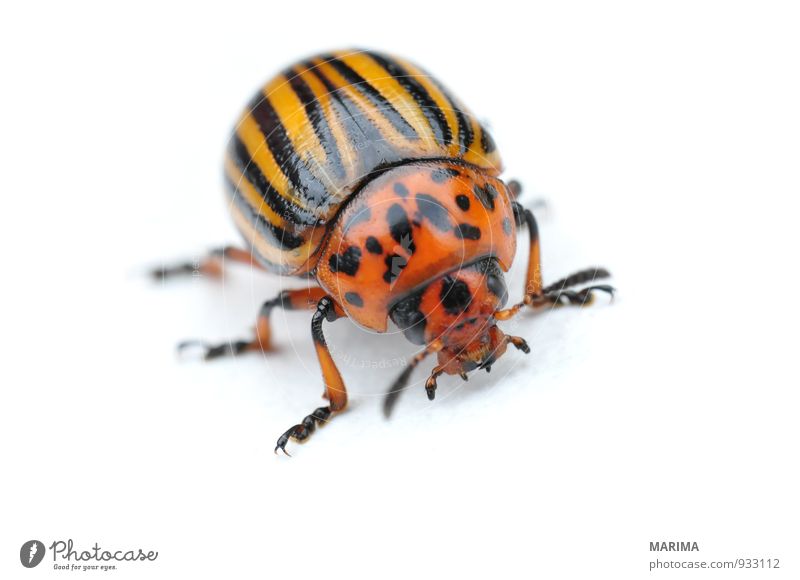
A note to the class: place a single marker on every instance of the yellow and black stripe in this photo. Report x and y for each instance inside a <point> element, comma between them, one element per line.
<point>322,127</point>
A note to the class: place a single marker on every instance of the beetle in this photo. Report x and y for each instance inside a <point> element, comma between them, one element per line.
<point>360,171</point>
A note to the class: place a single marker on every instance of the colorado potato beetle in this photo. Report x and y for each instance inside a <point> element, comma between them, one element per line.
<point>360,171</point>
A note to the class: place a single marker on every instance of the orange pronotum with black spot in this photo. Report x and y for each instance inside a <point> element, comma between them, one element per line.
<point>361,171</point>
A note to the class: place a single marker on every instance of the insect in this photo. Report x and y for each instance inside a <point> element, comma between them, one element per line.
<point>360,171</point>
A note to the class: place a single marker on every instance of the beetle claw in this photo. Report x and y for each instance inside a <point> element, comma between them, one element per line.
<point>282,447</point>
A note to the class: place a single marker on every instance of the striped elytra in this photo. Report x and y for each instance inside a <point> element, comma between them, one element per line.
<point>316,133</point>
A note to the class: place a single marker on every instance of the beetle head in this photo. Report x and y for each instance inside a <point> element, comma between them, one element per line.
<point>456,312</point>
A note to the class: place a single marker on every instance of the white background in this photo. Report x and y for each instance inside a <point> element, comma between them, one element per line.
<point>665,139</point>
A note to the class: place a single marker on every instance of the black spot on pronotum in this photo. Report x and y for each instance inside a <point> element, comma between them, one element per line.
<point>467,232</point>
<point>462,201</point>
<point>455,295</point>
<point>431,209</point>
<point>507,226</point>
<point>485,195</point>
<point>362,215</point>
<point>394,265</point>
<point>347,262</point>
<point>373,245</point>
<point>442,174</point>
<point>400,227</point>
<point>354,298</point>
<point>400,189</point>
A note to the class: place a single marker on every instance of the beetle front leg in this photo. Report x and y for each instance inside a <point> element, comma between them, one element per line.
<point>555,294</point>
<point>301,299</point>
<point>533,277</point>
<point>335,390</point>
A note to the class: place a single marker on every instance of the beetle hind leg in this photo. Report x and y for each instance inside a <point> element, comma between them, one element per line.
<point>230,348</point>
<point>301,299</point>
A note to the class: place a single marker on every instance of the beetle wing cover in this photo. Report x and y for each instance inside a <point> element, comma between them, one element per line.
<point>314,133</point>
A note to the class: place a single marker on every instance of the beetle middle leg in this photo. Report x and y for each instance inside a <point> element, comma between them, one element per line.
<point>300,299</point>
<point>210,265</point>
<point>335,390</point>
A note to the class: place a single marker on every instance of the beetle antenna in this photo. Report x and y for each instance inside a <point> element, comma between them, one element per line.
<point>400,383</point>
<point>398,386</point>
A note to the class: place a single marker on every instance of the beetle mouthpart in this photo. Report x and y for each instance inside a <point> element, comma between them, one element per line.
<point>487,362</point>
<point>480,354</point>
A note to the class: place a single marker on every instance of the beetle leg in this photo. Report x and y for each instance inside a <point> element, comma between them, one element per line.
<point>335,390</point>
<point>587,275</point>
<point>558,295</point>
<point>554,294</point>
<point>301,299</point>
<point>533,278</point>
<point>582,297</point>
<point>210,265</point>
<point>514,188</point>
